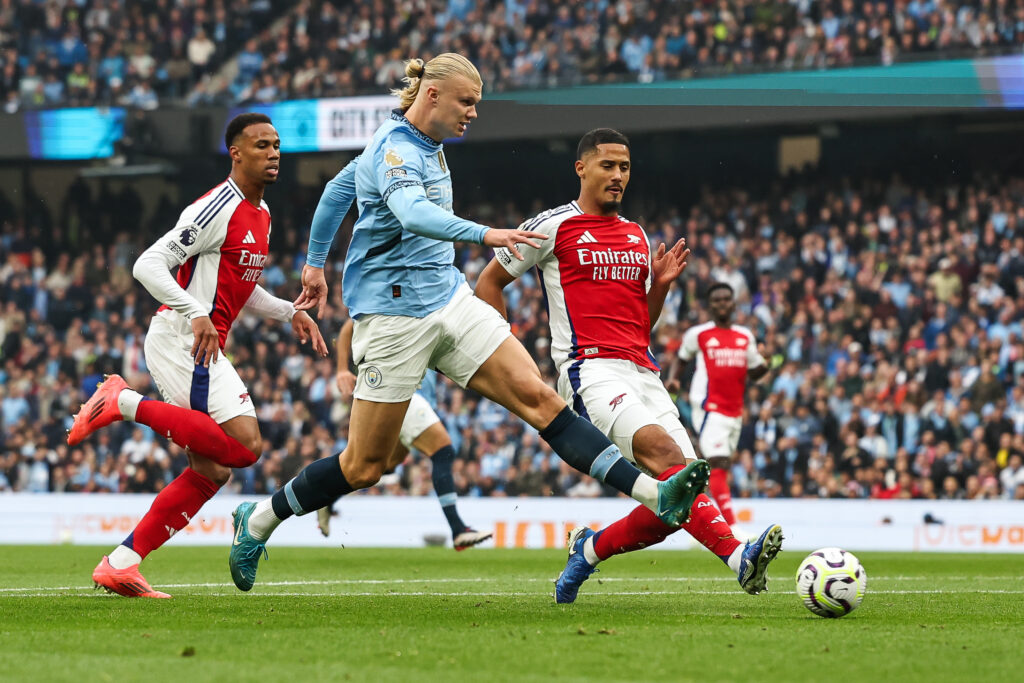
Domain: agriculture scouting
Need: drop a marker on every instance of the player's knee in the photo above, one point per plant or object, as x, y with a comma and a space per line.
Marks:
254, 445
362, 475
218, 474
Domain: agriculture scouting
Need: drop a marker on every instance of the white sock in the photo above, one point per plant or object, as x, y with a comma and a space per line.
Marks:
263, 521
735, 557
645, 491
589, 554
123, 557
128, 403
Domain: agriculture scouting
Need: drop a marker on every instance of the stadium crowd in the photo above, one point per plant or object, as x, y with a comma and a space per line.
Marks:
889, 313
63, 53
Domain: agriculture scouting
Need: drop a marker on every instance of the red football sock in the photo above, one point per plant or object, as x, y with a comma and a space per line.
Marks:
195, 431
639, 529
710, 529
718, 485
171, 511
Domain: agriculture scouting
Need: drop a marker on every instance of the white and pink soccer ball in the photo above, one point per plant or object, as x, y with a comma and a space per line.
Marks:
831, 582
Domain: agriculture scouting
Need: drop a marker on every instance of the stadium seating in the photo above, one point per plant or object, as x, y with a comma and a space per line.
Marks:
889, 313
278, 50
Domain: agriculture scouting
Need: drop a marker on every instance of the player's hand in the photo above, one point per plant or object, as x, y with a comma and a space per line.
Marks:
496, 237
305, 328
346, 383
205, 341
666, 266
314, 290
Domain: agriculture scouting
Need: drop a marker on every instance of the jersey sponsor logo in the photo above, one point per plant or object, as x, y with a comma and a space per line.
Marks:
633, 239
617, 401
176, 250
393, 158
254, 263
593, 350
587, 238
188, 235
395, 173
727, 358
252, 259
248, 239
373, 376
504, 255
611, 257
440, 194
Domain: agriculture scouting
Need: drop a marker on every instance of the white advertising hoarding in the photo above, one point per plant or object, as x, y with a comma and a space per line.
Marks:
381, 521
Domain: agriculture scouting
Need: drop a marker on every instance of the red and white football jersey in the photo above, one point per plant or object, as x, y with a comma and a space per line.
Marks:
595, 272
220, 243
724, 354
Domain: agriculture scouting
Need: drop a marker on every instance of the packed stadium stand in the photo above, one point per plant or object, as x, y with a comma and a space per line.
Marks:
142, 54
888, 308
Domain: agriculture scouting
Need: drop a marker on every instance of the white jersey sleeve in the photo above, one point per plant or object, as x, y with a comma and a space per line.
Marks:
689, 348
184, 241
531, 257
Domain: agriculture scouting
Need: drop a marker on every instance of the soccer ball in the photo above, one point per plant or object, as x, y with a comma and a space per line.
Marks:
831, 582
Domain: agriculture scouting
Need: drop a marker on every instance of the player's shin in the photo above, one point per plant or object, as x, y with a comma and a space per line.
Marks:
709, 528
718, 486
444, 486
171, 511
319, 484
584, 447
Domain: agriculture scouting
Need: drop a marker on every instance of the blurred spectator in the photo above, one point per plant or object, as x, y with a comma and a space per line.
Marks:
317, 48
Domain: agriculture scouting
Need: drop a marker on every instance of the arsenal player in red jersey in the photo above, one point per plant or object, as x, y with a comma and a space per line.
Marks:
604, 288
727, 357
219, 248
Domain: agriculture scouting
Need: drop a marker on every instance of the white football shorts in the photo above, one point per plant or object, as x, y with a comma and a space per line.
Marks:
217, 391
418, 419
619, 397
393, 352
717, 434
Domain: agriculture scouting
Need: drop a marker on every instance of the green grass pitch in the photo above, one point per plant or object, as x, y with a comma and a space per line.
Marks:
488, 615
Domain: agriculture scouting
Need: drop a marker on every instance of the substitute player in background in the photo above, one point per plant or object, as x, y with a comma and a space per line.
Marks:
604, 290
219, 246
414, 311
422, 430
727, 357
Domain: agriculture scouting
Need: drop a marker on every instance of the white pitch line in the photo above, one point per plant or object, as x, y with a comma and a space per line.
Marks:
510, 594
528, 579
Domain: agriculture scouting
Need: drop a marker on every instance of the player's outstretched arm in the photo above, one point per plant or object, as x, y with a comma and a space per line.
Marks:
345, 378
265, 305
492, 281
334, 204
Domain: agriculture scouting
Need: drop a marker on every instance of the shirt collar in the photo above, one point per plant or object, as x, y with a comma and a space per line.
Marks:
399, 115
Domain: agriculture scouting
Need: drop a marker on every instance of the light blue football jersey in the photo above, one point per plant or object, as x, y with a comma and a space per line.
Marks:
400, 260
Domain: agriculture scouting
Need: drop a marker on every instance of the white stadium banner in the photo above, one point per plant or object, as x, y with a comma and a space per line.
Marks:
370, 520
350, 122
